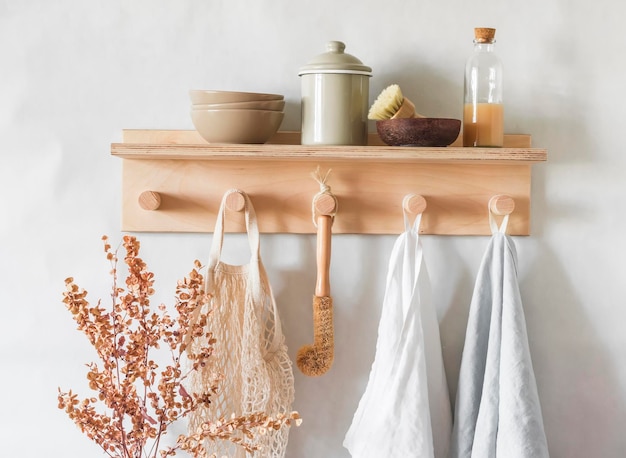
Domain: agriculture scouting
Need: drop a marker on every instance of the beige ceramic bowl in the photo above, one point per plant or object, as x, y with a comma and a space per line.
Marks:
236, 126
199, 96
276, 105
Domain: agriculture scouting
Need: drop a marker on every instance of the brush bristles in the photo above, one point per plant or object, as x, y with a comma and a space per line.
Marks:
387, 103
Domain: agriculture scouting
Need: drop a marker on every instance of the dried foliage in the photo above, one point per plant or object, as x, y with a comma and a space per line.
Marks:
138, 399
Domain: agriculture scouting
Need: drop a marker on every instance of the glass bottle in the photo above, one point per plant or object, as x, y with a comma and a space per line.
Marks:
483, 113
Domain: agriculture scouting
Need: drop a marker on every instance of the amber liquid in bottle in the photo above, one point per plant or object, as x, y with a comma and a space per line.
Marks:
483, 124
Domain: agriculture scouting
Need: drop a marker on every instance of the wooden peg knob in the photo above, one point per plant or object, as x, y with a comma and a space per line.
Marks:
501, 205
235, 201
325, 204
149, 200
414, 204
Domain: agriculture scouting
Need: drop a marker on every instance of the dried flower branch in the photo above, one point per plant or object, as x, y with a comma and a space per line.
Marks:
140, 400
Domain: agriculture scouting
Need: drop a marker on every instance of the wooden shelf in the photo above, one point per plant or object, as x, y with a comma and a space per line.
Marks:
190, 176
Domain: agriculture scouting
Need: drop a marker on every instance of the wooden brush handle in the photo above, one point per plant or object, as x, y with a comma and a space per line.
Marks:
324, 225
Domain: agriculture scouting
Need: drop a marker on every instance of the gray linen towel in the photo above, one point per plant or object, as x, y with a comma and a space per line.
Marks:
497, 413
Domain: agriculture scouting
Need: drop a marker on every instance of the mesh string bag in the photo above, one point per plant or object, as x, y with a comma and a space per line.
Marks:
250, 354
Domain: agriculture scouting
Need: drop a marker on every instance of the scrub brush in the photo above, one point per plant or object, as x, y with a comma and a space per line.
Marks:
391, 104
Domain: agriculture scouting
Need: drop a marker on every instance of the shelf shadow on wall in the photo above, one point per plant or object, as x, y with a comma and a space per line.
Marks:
580, 392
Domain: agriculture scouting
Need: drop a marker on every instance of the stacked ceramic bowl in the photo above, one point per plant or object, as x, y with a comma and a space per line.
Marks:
236, 117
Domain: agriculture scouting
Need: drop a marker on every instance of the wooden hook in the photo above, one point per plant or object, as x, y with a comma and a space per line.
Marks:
501, 205
325, 204
149, 200
414, 204
235, 201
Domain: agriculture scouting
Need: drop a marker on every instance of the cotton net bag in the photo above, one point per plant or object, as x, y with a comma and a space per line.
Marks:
250, 354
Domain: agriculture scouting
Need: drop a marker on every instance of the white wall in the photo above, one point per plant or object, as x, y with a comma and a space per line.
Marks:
74, 73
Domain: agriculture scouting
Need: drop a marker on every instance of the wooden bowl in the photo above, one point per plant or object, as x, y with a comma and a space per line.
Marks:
418, 131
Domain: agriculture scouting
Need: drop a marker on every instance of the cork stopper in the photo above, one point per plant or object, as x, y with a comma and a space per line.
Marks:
484, 35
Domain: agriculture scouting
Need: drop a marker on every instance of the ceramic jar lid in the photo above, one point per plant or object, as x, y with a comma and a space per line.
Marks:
335, 60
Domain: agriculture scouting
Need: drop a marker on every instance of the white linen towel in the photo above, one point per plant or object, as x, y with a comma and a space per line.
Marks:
405, 410
497, 412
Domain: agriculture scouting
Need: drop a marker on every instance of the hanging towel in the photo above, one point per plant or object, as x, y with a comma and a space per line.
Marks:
405, 410
497, 413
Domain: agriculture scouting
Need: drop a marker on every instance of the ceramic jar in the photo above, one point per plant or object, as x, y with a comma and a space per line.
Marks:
335, 98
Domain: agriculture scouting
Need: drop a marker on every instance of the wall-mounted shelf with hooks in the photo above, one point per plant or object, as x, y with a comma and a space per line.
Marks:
173, 181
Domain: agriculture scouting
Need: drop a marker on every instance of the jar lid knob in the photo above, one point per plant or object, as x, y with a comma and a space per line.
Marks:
336, 47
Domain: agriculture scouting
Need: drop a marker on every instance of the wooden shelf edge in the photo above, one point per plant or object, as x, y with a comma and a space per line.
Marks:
188, 152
